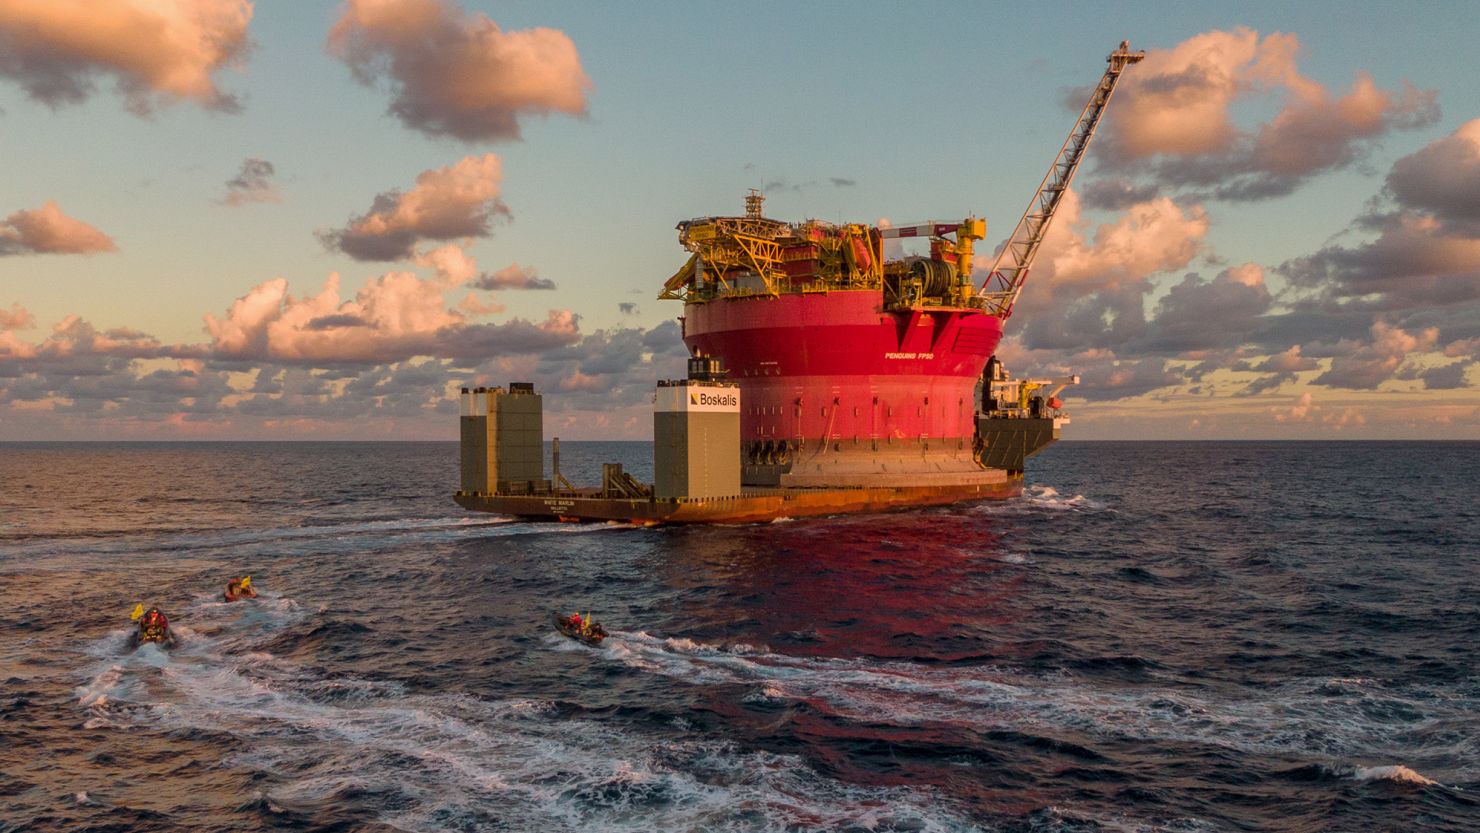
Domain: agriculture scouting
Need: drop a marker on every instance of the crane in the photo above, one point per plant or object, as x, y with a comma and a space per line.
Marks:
1000, 291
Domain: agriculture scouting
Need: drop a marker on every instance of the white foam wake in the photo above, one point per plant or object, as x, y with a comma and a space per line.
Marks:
1300, 717
437, 762
1396, 773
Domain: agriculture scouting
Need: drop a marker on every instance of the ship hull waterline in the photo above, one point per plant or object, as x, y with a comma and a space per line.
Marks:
752, 506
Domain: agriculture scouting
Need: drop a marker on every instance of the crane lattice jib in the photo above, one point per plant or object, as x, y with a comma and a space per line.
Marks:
1005, 281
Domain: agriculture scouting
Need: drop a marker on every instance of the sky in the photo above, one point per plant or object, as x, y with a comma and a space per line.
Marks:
223, 219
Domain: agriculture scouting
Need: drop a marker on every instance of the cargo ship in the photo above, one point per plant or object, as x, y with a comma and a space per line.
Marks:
825, 376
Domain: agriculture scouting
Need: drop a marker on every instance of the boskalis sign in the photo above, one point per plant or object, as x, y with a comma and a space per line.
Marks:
727, 400
703, 399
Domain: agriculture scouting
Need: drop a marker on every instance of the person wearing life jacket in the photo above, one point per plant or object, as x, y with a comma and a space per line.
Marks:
240, 588
154, 627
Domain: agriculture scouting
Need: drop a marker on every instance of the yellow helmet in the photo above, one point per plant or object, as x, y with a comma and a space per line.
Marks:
138, 611
246, 582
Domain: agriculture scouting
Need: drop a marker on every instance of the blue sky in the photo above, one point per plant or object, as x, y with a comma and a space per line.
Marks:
928, 110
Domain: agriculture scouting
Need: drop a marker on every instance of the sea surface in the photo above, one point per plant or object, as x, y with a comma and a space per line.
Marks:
1154, 637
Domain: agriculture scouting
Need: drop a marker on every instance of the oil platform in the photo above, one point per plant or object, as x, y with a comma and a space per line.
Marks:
824, 378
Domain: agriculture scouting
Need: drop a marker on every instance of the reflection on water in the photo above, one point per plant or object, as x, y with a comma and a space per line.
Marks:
1143, 641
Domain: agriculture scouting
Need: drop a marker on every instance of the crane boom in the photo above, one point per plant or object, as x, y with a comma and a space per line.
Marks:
1005, 281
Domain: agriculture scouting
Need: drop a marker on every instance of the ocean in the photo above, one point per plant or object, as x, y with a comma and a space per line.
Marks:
1154, 637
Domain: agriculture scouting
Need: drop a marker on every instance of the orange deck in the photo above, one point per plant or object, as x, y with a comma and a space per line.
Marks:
752, 506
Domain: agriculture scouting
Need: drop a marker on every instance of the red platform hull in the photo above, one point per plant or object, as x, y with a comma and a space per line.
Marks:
835, 366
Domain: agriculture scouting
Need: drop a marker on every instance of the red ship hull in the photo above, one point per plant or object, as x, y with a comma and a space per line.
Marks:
837, 366
875, 396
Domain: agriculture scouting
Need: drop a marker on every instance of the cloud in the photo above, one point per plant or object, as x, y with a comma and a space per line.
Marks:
1427, 250
627, 308
1278, 369
1173, 120
1149, 237
46, 230
252, 184
1367, 365
1443, 178
1446, 377
394, 317
1415, 261
798, 187
18, 318
453, 73
156, 51
448, 203
476, 307
1203, 315
1088, 291
1306, 411
514, 276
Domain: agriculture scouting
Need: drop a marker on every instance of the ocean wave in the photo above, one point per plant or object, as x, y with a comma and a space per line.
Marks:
1298, 716
1396, 773
454, 761
1038, 499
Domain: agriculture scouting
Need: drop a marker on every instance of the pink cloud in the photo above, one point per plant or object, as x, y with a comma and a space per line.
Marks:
394, 317
448, 203
514, 276
1174, 116
454, 73
1299, 412
1149, 237
1359, 365
18, 318
475, 307
156, 52
46, 230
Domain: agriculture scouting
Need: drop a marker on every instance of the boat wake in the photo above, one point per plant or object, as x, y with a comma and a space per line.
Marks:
1303, 718
457, 761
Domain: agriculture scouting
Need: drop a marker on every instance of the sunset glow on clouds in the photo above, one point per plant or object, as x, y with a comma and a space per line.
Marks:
460, 200
47, 231
154, 52
321, 270
456, 73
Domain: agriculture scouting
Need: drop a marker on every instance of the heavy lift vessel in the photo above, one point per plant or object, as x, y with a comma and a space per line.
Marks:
825, 379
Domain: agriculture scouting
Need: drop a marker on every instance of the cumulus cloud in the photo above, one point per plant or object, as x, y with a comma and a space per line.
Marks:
46, 230
1277, 369
457, 201
1149, 237
252, 184
1445, 377
1305, 410
514, 276
1443, 178
1202, 315
1427, 250
1367, 365
1173, 117
1088, 290
156, 51
1415, 261
18, 318
453, 73
391, 318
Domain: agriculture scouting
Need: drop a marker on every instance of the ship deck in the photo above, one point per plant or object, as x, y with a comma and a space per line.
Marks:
753, 505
